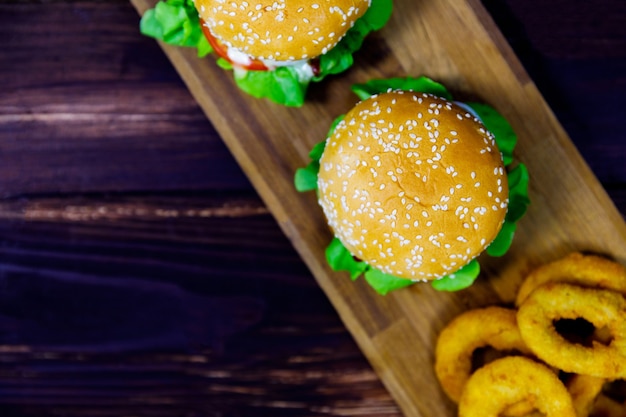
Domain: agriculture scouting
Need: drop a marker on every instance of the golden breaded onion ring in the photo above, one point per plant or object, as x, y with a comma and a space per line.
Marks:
584, 390
551, 302
605, 406
576, 268
511, 380
490, 326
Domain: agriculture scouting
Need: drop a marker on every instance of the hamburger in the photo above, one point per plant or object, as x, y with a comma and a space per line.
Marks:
275, 49
414, 188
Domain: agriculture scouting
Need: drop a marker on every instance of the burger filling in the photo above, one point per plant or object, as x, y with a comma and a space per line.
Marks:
176, 22
305, 69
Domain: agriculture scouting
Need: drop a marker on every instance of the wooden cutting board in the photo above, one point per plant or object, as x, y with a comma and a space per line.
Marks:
454, 42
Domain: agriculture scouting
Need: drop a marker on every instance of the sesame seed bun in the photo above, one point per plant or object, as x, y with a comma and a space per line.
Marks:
283, 30
413, 185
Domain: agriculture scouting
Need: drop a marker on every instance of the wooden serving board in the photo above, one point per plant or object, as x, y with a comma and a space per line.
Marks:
454, 42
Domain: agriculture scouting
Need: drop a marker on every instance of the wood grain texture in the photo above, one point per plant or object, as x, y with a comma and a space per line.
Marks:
140, 273
570, 210
120, 207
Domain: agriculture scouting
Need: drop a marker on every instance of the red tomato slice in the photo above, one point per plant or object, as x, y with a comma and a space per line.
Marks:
221, 50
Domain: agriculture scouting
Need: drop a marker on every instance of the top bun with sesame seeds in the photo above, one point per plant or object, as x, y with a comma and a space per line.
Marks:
413, 184
281, 30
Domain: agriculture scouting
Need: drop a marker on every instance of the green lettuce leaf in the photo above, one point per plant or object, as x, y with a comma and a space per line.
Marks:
224, 64
175, 22
282, 86
518, 178
384, 283
505, 137
421, 84
518, 193
518, 205
340, 58
378, 14
503, 240
333, 126
305, 178
340, 259
461, 279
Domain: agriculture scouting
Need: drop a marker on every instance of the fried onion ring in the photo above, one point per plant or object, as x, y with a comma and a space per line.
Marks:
607, 407
611, 402
490, 326
576, 268
584, 390
511, 380
551, 302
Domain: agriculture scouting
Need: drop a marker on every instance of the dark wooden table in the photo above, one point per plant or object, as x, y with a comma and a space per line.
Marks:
141, 275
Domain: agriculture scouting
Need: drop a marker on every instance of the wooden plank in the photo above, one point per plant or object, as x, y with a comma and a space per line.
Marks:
116, 191
570, 210
88, 120
160, 214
